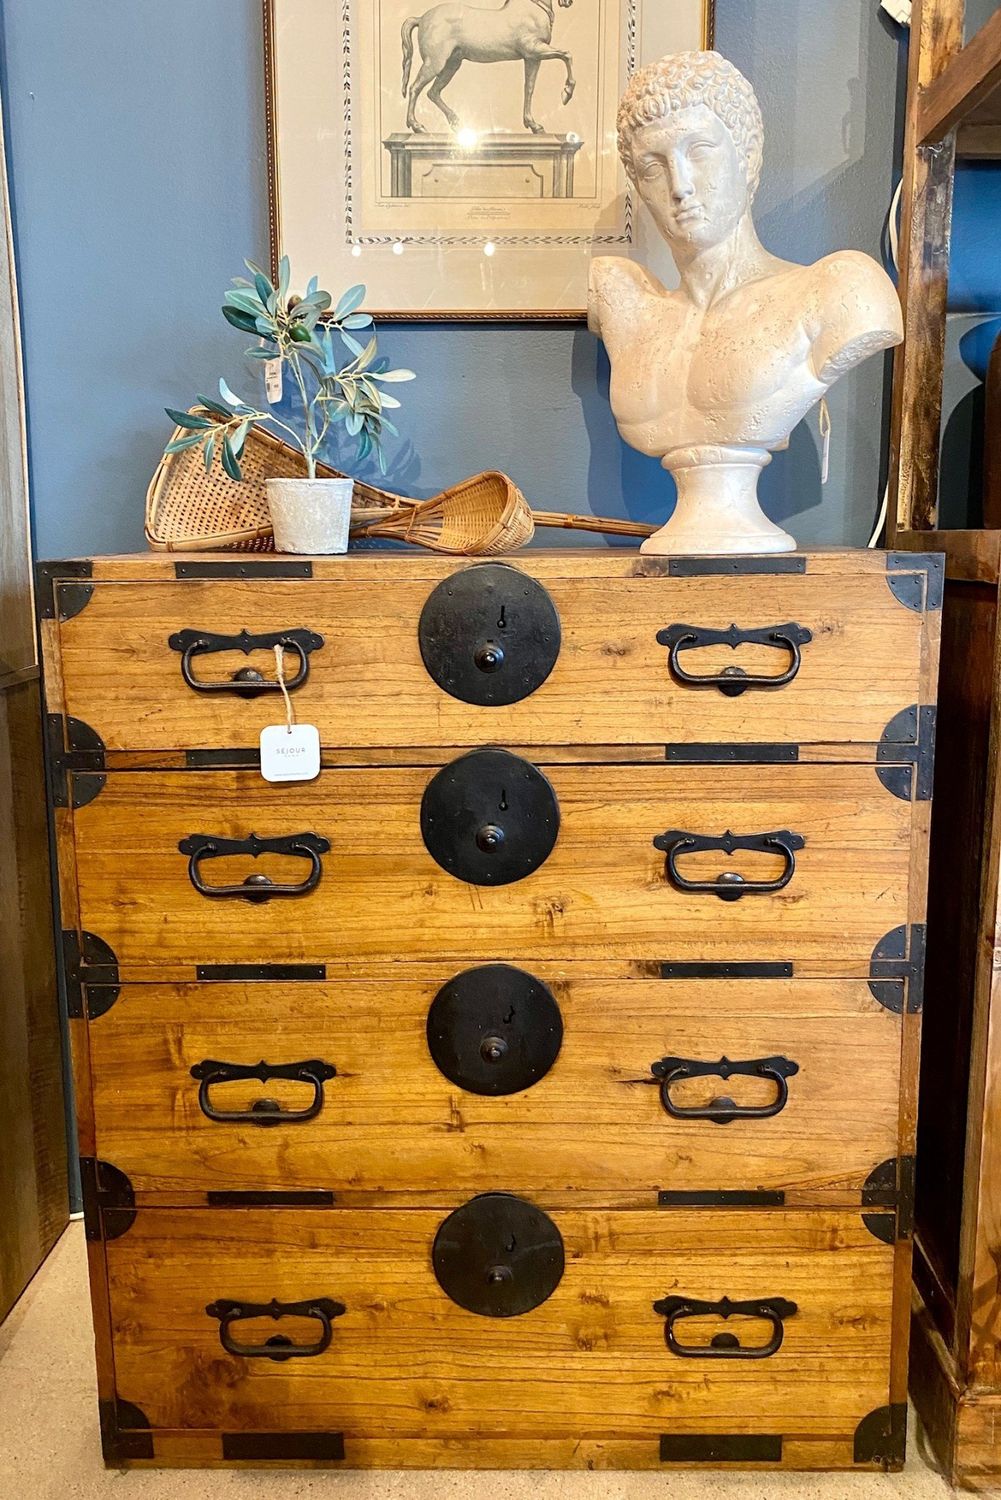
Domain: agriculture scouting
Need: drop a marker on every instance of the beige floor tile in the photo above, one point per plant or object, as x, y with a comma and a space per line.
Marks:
49, 1449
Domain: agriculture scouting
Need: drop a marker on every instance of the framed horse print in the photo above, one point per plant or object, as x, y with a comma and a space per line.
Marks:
460, 158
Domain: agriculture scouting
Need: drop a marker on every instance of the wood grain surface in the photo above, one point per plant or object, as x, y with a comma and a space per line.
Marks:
970, 622
586, 1379
925, 233
391, 1122
601, 893
33, 1190
368, 685
966, 89
200, 1449
591, 1361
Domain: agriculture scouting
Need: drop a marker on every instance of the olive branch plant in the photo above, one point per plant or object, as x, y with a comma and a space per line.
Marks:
330, 392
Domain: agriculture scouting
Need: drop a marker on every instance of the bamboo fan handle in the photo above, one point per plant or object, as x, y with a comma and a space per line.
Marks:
591, 523
371, 515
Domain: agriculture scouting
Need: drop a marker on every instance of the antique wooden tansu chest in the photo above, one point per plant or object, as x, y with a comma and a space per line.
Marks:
535, 1087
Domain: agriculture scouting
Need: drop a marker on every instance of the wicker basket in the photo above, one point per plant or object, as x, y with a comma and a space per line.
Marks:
188, 510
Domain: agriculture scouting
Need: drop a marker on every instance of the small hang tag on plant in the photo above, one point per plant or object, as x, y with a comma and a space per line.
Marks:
273, 380
290, 752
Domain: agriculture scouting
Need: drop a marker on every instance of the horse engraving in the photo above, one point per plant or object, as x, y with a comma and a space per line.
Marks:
451, 34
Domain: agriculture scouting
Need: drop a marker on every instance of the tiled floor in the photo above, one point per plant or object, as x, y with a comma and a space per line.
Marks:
49, 1448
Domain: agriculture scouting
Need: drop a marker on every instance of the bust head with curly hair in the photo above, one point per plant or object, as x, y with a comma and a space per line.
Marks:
712, 375
691, 138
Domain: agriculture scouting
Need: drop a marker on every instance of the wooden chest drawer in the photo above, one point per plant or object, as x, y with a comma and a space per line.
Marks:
371, 1113
402, 1361
535, 1087
824, 892
809, 668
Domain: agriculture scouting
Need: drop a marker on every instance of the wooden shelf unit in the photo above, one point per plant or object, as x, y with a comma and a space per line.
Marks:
954, 109
965, 96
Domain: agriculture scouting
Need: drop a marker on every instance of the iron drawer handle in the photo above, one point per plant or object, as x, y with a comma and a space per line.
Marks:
279, 1348
258, 888
733, 681
773, 1310
262, 1111
247, 683
729, 886
671, 1070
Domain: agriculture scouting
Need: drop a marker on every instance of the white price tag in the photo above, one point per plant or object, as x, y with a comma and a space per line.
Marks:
273, 380
290, 752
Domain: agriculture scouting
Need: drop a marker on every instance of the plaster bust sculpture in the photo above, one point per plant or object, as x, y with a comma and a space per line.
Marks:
712, 378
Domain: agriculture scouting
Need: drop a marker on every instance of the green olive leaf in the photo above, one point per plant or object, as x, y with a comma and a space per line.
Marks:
187, 419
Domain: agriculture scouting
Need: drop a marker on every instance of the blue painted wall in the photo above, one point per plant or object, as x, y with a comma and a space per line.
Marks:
136, 151
974, 270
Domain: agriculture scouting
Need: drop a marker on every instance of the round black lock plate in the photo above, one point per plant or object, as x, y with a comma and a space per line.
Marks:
489, 817
489, 635
498, 1256
494, 1030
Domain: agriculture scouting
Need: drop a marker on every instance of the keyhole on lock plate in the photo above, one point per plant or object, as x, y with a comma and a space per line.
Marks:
502, 805
509, 1248
502, 622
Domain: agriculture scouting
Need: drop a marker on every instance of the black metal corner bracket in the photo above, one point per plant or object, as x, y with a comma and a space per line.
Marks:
905, 755
109, 1203
897, 969
916, 579
889, 1189
881, 1436
130, 1416
63, 603
71, 746
90, 970
122, 1432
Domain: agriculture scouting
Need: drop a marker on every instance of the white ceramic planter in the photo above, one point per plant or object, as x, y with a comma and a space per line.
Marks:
310, 515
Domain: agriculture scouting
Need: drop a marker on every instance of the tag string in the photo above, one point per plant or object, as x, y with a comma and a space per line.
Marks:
824, 423
280, 670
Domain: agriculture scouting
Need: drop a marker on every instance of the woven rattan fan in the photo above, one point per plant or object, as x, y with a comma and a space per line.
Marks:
189, 510
482, 517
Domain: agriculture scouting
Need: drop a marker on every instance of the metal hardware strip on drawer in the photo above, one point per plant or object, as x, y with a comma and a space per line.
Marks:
534, 1087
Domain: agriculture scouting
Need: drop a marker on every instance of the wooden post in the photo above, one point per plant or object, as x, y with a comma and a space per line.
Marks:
34, 1205
936, 34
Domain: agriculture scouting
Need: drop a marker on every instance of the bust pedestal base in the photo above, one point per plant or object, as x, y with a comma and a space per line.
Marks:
718, 509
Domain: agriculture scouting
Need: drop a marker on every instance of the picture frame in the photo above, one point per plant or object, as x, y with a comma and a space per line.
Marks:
483, 203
